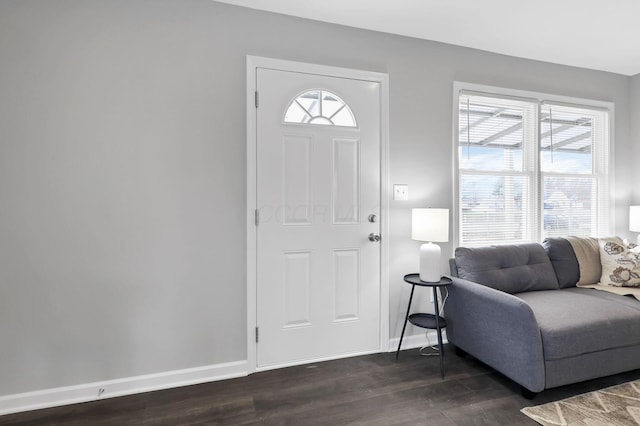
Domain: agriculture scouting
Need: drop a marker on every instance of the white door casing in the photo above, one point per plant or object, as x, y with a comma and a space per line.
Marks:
317, 283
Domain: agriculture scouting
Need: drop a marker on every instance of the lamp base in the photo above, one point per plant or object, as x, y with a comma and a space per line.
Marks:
430, 262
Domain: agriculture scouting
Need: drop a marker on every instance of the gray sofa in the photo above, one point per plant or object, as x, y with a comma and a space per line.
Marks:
516, 308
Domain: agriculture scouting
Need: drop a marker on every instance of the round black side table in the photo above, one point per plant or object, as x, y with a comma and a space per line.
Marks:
423, 320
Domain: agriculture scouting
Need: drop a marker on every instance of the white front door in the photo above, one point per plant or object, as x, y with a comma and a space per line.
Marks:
318, 199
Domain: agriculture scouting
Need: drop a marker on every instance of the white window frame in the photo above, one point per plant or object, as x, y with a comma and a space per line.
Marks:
608, 222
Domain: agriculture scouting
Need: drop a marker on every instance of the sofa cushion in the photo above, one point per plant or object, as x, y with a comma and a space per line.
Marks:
577, 321
588, 254
509, 268
620, 263
564, 261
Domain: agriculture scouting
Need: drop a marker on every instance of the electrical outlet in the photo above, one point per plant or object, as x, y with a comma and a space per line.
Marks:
401, 192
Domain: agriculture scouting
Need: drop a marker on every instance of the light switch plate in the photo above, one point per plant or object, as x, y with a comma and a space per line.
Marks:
401, 192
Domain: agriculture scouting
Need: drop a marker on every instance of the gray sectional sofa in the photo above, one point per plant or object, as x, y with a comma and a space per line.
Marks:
517, 309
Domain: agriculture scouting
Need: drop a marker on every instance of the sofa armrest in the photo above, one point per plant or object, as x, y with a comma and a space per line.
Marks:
498, 329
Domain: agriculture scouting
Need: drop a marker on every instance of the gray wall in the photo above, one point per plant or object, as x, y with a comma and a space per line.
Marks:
122, 162
635, 139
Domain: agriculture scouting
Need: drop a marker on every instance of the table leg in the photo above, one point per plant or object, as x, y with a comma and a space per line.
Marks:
406, 318
439, 331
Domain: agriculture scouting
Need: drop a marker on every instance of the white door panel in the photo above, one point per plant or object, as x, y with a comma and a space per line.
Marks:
318, 275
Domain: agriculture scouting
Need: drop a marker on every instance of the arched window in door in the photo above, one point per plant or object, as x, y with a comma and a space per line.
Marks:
319, 107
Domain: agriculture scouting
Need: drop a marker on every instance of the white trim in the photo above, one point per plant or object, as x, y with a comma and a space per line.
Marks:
385, 196
252, 190
254, 62
455, 134
611, 168
417, 340
315, 360
113, 388
459, 86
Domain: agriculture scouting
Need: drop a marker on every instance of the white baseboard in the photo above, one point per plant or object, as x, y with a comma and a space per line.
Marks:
169, 379
127, 386
417, 340
315, 360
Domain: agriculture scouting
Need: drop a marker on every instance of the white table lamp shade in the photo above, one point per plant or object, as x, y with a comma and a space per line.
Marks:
634, 220
430, 225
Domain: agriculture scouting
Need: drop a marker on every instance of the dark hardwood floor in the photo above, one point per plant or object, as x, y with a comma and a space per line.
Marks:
365, 390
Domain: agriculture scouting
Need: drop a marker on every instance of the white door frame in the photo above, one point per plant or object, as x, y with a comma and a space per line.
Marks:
254, 62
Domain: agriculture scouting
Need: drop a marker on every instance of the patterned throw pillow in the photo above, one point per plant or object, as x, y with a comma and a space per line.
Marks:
620, 263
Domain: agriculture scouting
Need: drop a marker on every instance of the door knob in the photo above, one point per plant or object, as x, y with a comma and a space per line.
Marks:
374, 237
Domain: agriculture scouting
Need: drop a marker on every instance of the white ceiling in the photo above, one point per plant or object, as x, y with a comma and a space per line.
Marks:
595, 34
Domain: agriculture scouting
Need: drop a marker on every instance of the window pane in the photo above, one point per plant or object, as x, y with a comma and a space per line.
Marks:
344, 118
490, 159
493, 209
296, 114
319, 107
310, 101
490, 135
330, 104
324, 121
566, 141
569, 206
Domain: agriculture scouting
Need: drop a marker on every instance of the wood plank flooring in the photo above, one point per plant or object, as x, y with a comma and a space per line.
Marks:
367, 390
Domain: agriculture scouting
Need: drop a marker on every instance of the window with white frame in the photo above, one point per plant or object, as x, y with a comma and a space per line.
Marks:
530, 169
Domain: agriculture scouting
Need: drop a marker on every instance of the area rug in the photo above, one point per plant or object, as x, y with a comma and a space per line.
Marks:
617, 405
